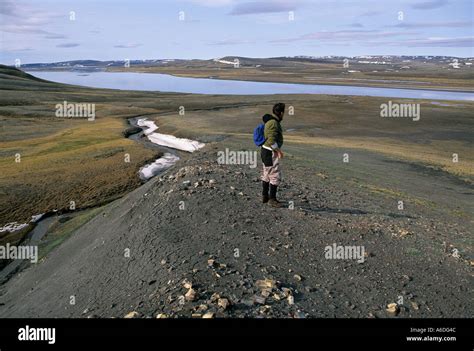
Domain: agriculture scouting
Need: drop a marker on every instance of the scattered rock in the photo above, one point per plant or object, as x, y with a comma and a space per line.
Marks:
298, 277
393, 309
403, 233
259, 300
223, 303
202, 308
190, 295
187, 284
215, 297
265, 284
299, 315
132, 314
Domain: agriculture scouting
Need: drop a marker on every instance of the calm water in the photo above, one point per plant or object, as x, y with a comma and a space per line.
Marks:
167, 83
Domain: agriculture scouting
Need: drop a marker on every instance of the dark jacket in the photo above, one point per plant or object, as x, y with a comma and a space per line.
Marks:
273, 138
273, 132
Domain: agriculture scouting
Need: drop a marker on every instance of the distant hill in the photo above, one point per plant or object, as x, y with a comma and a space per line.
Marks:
293, 61
15, 73
88, 65
12, 78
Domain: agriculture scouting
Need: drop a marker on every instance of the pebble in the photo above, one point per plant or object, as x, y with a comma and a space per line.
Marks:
259, 299
223, 303
132, 314
190, 295
298, 277
393, 309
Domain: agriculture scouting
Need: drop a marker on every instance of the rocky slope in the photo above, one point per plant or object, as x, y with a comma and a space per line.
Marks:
197, 242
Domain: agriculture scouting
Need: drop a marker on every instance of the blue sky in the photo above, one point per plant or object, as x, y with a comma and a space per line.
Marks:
42, 31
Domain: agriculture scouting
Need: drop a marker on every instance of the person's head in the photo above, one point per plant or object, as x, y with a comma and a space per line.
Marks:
279, 110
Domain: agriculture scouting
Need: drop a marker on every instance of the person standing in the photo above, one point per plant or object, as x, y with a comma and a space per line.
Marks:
271, 155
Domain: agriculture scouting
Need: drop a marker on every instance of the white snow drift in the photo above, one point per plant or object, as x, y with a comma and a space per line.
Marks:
15, 226
151, 126
161, 164
168, 140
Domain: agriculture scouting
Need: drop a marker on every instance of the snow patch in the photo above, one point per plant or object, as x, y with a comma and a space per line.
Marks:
13, 227
168, 140
150, 125
175, 143
36, 218
161, 164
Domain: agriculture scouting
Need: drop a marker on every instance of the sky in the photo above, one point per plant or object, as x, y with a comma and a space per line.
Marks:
60, 30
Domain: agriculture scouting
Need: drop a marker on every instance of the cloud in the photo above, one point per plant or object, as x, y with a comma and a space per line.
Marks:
258, 7
19, 18
457, 24
344, 36
459, 42
127, 46
22, 29
429, 5
441, 42
211, 3
356, 25
8, 8
17, 49
55, 36
231, 42
67, 45
370, 13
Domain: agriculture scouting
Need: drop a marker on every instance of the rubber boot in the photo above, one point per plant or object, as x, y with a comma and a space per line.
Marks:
273, 200
265, 188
